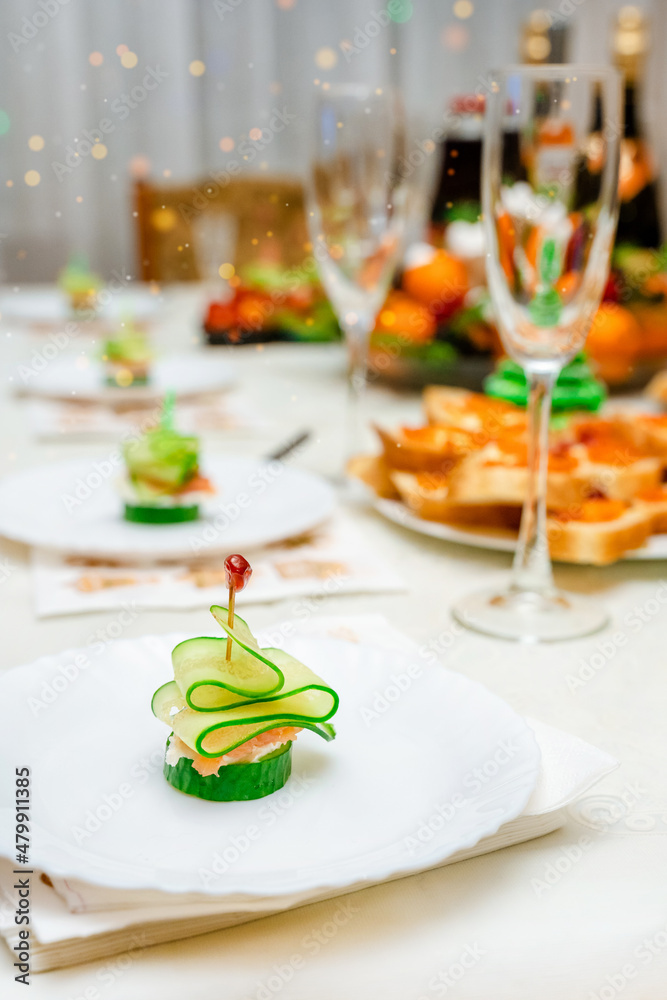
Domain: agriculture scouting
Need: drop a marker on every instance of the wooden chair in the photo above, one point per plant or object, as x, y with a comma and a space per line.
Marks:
268, 211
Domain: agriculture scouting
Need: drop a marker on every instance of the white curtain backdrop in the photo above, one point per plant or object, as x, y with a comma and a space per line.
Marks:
261, 58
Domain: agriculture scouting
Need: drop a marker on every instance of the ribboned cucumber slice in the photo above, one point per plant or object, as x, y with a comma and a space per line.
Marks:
143, 514
213, 734
202, 670
240, 632
205, 691
233, 782
163, 456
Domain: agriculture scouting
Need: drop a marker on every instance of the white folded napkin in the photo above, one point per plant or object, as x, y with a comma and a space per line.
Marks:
74, 921
331, 559
219, 412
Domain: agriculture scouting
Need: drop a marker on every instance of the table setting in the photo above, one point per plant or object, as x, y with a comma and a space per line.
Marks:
333, 539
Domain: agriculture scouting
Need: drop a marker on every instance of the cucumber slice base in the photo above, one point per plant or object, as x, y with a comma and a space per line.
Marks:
234, 782
143, 514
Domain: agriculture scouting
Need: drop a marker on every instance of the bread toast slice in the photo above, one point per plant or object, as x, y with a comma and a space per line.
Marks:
599, 543
483, 416
646, 431
374, 471
426, 494
490, 476
425, 449
572, 538
655, 500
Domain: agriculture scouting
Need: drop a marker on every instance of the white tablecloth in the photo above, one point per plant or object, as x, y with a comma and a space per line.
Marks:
580, 913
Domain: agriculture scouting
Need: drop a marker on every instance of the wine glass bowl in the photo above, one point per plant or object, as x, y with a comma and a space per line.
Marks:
358, 205
549, 213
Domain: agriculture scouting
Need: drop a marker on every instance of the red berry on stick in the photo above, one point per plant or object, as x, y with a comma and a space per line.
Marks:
237, 571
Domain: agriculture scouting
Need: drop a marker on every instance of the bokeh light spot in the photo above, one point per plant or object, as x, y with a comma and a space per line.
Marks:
226, 144
35, 143
140, 166
32, 178
197, 67
538, 47
255, 134
326, 58
95, 58
99, 151
455, 37
129, 60
400, 11
286, 4
122, 49
463, 9
163, 219
5, 122
226, 271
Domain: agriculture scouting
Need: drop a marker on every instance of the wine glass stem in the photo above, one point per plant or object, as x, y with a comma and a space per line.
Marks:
532, 565
357, 368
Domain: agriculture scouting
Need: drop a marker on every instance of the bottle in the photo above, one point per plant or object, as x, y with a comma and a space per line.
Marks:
544, 42
638, 222
591, 160
458, 194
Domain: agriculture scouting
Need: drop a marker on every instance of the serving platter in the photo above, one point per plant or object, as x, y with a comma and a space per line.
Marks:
75, 506
80, 377
495, 540
425, 763
52, 306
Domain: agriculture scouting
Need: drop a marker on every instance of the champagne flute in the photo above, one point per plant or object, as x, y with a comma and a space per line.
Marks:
358, 204
550, 219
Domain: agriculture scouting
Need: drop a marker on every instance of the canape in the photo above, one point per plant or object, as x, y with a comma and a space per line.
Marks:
235, 710
80, 284
163, 484
127, 358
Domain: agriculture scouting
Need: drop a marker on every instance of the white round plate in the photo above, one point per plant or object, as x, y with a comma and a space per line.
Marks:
400, 789
495, 540
79, 377
50, 305
75, 506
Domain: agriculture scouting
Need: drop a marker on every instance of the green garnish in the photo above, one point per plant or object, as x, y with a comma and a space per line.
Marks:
161, 462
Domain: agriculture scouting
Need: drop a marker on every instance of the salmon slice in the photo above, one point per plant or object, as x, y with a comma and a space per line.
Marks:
248, 753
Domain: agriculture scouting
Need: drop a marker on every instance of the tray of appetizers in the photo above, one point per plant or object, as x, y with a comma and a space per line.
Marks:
463, 476
262, 771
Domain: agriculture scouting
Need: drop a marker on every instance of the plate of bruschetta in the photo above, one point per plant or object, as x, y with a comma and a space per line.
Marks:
462, 476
